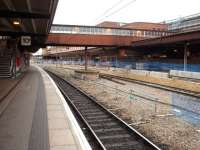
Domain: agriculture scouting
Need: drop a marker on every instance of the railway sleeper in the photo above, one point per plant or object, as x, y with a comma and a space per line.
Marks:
116, 136
122, 140
100, 120
124, 144
117, 129
111, 132
84, 106
89, 110
92, 114
104, 127
105, 124
99, 117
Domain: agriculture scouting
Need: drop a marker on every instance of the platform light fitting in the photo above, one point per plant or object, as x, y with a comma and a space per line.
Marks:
163, 56
16, 22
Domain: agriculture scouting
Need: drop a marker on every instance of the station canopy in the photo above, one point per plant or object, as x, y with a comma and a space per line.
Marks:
27, 18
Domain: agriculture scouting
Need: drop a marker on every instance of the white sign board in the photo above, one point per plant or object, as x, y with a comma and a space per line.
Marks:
26, 41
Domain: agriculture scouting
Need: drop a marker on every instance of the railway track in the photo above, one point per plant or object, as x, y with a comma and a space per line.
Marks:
158, 86
109, 131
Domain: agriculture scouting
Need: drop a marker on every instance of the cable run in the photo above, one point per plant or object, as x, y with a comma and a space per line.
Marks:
108, 10
116, 11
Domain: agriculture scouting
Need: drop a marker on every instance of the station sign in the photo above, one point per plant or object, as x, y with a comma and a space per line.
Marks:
26, 41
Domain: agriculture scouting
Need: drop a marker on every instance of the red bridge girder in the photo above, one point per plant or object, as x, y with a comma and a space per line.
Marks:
62, 39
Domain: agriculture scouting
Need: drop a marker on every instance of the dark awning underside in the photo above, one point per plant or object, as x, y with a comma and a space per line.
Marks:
35, 17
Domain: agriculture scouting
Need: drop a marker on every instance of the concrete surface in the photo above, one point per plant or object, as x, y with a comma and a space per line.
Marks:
16, 122
185, 74
35, 117
6, 86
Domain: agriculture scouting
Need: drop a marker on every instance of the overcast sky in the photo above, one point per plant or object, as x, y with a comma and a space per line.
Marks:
89, 12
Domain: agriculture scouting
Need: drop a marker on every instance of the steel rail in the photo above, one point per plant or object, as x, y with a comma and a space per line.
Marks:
154, 85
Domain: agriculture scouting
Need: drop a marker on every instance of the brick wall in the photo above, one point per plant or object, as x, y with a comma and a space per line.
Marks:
91, 40
110, 24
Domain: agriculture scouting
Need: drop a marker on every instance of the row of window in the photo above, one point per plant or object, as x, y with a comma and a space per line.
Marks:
4, 37
105, 31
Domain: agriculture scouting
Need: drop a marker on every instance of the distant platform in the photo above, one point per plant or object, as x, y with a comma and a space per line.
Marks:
87, 74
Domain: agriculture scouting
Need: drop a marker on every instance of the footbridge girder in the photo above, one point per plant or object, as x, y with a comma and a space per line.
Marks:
60, 39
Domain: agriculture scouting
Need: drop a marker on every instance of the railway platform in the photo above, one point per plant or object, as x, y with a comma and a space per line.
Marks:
36, 116
7, 84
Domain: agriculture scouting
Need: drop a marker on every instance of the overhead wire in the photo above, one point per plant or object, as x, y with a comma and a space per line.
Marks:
119, 9
109, 9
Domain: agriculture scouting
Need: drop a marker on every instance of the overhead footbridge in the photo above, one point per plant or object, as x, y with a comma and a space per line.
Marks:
76, 35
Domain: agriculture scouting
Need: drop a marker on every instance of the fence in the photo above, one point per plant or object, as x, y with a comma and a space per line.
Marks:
150, 66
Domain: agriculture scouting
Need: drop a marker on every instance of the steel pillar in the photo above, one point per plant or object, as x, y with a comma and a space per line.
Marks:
86, 58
